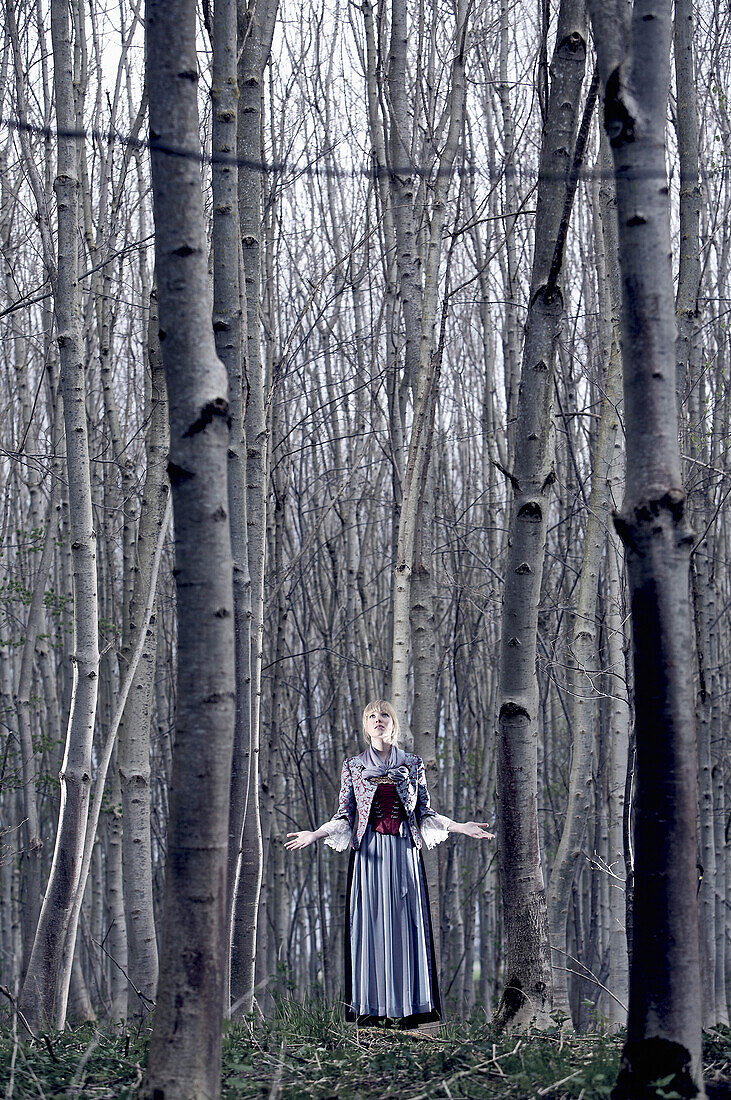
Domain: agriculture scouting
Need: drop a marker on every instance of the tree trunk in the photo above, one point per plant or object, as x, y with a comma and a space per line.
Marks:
185, 1049
616, 781
584, 648
422, 360
39, 988
134, 731
528, 992
256, 20
664, 1025
227, 327
32, 866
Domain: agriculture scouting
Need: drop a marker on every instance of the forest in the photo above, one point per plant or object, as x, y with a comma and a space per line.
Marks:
357, 351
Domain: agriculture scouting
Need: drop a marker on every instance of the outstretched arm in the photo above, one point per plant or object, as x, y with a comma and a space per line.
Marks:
479, 830
338, 829
434, 827
304, 838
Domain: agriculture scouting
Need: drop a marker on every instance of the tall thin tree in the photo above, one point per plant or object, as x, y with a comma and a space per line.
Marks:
185, 1050
664, 1022
39, 988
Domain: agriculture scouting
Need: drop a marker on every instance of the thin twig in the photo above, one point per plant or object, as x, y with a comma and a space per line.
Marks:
6, 992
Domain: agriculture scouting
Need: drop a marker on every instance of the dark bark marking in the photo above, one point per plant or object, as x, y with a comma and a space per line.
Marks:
510, 711
523, 568
550, 478
217, 407
217, 697
177, 474
629, 525
541, 366
183, 251
511, 1000
531, 511
637, 219
645, 1062
573, 42
189, 74
618, 122
514, 642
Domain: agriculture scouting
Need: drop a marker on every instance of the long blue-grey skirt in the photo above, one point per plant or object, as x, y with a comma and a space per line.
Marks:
390, 965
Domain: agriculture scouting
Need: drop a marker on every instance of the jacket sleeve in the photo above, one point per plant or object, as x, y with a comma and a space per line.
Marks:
434, 827
415, 797
340, 827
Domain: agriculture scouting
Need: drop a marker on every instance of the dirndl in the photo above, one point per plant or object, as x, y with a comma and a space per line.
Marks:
390, 964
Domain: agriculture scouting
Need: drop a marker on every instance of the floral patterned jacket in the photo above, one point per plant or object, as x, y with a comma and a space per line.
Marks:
356, 794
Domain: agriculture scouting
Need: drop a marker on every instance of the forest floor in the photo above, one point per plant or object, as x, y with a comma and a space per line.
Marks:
310, 1052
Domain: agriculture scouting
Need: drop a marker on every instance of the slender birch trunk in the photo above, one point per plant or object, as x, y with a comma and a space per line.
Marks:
619, 722
256, 26
528, 991
664, 1023
32, 865
586, 672
690, 379
227, 327
134, 731
39, 988
245, 851
422, 363
185, 1049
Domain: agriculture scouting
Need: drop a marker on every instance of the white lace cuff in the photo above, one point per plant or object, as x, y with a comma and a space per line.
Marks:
434, 829
338, 833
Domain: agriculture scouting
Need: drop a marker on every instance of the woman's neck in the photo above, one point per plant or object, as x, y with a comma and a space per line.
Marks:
381, 750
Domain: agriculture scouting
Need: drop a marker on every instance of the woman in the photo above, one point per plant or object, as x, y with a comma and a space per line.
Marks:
390, 966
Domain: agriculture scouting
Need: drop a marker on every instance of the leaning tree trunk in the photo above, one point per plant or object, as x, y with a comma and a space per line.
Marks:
39, 988
185, 1050
528, 992
664, 1023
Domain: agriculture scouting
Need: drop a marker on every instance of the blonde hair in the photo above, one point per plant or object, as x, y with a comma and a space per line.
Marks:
378, 705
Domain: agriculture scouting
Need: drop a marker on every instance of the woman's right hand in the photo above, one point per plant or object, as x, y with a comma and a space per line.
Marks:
301, 840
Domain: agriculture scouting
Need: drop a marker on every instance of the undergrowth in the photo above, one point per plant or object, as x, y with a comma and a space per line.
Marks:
309, 1052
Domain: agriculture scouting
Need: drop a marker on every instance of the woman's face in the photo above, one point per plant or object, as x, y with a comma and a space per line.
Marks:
379, 726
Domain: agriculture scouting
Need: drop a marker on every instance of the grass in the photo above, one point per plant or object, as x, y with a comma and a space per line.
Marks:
308, 1051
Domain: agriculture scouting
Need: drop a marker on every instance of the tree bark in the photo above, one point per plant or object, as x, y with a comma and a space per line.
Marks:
185, 1049
528, 992
227, 328
256, 23
39, 988
418, 304
664, 1022
134, 730
586, 672
29, 758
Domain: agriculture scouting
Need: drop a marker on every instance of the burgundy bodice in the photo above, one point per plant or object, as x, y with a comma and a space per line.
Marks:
387, 812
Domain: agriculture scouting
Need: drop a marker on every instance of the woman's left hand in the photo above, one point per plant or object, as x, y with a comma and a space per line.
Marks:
479, 830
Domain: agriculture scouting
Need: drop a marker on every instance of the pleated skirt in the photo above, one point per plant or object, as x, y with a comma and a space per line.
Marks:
390, 965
